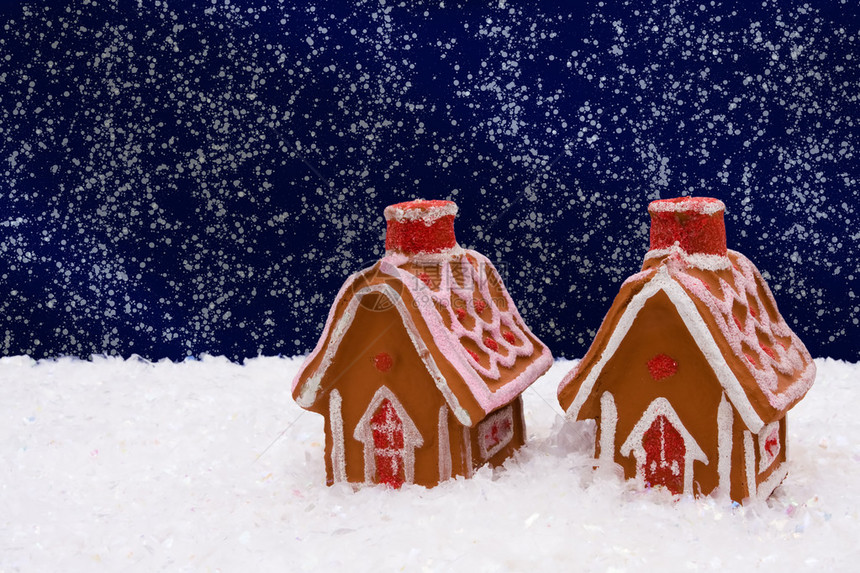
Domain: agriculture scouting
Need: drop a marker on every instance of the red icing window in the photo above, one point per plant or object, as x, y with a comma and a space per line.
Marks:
460, 312
662, 366
474, 355
509, 336
664, 456
387, 428
771, 446
383, 361
480, 305
495, 432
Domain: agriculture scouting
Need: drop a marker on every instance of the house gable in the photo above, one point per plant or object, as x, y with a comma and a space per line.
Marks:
371, 356
629, 377
381, 314
682, 306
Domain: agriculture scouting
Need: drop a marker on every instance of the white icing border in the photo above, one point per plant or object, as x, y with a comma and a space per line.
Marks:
425, 258
608, 423
662, 281
697, 260
772, 482
749, 463
338, 456
411, 436
428, 213
725, 421
311, 387
444, 441
688, 205
633, 444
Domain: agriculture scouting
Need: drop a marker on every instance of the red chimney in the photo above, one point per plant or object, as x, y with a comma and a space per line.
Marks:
695, 224
420, 226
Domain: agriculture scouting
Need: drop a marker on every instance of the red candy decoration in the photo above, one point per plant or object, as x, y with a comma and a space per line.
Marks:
473, 354
509, 336
383, 361
662, 366
695, 223
491, 344
479, 305
767, 350
460, 312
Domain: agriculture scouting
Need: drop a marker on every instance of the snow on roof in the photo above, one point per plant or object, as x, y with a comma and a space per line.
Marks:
473, 324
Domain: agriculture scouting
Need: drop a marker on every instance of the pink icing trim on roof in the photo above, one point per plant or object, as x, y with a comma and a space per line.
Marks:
450, 340
744, 334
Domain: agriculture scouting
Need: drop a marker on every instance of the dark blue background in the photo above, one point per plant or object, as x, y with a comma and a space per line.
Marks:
188, 178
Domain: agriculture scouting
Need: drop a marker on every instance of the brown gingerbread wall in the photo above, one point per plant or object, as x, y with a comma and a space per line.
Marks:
739, 490
693, 390
355, 375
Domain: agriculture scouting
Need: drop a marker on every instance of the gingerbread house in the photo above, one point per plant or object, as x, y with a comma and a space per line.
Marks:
421, 363
693, 370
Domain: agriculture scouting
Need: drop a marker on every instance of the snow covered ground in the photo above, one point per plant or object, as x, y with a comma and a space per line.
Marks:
206, 465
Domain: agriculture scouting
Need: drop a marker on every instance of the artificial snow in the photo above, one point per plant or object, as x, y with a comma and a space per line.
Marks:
127, 465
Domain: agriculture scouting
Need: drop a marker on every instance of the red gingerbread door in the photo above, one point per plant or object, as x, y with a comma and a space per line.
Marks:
664, 455
388, 444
